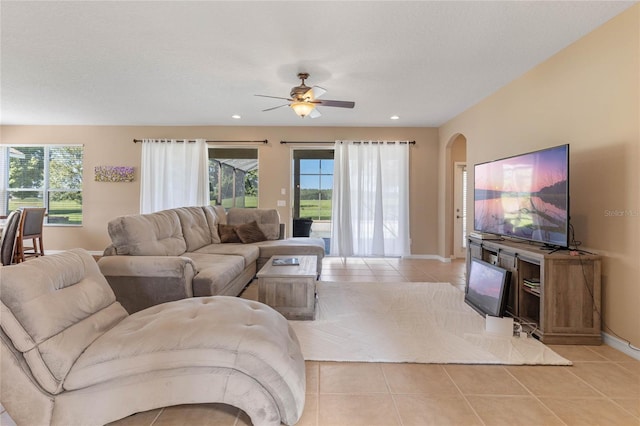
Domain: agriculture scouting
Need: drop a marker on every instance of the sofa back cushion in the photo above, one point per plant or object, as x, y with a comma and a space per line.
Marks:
221, 213
153, 234
268, 220
213, 220
195, 227
53, 308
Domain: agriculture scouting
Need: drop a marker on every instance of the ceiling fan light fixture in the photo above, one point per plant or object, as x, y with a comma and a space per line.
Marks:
302, 108
304, 100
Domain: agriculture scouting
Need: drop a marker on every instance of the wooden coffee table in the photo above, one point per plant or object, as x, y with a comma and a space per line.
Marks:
290, 289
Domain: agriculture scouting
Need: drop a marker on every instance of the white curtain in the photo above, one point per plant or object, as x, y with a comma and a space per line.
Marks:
173, 173
370, 201
3, 180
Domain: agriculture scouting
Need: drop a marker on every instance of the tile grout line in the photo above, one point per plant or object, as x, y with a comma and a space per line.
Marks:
598, 391
238, 415
606, 397
157, 416
534, 396
317, 395
464, 397
621, 365
393, 398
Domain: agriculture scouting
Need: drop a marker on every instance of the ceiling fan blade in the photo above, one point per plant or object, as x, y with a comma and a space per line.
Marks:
318, 91
274, 97
271, 109
314, 113
313, 93
339, 104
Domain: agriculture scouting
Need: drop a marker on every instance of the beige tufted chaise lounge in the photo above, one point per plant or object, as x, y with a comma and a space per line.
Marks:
71, 355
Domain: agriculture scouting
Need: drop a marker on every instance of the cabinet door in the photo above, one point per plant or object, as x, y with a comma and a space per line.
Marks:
508, 261
572, 297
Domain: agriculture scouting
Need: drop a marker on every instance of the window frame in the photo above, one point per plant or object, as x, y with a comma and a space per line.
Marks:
46, 190
211, 157
308, 154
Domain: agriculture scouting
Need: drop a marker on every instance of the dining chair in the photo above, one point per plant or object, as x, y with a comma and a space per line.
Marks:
9, 235
30, 229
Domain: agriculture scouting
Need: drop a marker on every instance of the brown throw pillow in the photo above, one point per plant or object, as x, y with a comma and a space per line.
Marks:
250, 233
228, 233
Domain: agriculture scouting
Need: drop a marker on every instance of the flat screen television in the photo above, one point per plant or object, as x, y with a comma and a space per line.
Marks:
525, 196
487, 288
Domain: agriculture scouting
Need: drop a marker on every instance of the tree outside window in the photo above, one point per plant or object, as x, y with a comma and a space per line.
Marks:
48, 176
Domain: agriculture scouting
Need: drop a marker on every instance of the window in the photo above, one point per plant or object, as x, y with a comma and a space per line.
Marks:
48, 176
313, 183
233, 177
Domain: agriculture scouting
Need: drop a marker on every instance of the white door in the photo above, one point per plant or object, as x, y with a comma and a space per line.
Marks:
460, 210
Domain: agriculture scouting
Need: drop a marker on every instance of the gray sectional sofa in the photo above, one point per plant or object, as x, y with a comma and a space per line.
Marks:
179, 253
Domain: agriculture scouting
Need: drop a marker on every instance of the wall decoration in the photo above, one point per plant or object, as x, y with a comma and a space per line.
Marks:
114, 174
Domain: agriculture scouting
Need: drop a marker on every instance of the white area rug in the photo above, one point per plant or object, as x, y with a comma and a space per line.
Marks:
408, 322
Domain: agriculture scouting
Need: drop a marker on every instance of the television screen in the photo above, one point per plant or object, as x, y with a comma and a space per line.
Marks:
487, 288
526, 196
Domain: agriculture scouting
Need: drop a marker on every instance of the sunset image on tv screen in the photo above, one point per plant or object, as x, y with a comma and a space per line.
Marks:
525, 196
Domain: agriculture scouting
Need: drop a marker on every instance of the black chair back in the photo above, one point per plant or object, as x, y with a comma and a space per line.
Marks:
8, 244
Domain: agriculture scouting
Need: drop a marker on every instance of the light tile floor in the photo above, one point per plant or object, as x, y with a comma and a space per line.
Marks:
601, 388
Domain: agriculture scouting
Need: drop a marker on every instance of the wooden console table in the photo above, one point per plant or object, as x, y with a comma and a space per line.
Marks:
566, 309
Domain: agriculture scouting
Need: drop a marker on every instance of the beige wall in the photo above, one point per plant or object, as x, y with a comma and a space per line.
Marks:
113, 145
588, 96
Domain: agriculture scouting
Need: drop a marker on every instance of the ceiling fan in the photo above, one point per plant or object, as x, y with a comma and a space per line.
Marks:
304, 99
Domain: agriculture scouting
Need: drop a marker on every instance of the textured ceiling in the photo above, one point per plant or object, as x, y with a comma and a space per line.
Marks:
198, 63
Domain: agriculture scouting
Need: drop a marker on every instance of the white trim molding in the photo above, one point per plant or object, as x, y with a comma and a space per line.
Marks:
621, 345
428, 257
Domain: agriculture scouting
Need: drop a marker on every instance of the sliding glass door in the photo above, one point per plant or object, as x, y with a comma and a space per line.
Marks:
312, 188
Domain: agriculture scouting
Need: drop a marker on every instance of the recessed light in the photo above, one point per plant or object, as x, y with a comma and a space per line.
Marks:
236, 117
394, 117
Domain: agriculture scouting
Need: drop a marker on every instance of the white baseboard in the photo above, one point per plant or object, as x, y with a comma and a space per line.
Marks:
620, 345
427, 257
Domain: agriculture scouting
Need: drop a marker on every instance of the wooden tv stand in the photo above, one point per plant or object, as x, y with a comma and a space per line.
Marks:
567, 308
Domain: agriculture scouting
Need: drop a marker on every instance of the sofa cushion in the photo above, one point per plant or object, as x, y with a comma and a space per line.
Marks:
53, 308
250, 233
198, 334
153, 234
221, 213
228, 234
268, 220
212, 221
249, 252
215, 271
292, 246
195, 227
